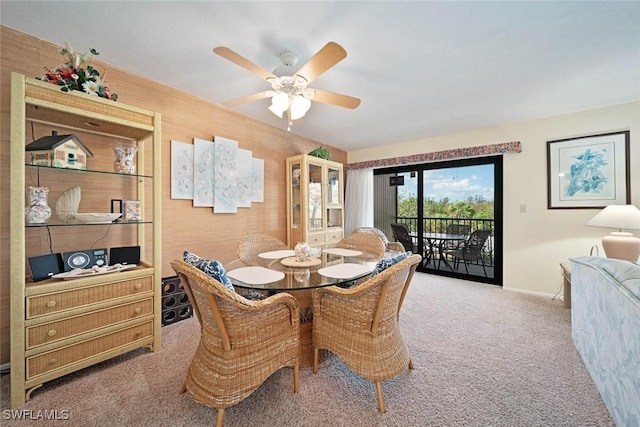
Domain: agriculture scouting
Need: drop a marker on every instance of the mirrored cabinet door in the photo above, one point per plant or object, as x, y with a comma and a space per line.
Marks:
315, 197
296, 197
334, 185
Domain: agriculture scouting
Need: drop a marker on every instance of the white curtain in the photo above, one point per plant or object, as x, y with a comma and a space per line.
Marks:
358, 200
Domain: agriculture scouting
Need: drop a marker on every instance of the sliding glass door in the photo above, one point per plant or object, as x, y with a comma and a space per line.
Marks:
453, 211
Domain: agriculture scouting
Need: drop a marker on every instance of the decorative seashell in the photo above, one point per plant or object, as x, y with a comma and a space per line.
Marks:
67, 204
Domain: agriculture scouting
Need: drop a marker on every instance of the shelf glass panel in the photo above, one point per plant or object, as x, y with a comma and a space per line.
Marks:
84, 224
86, 171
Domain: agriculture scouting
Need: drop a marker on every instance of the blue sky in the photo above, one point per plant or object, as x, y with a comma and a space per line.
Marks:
455, 183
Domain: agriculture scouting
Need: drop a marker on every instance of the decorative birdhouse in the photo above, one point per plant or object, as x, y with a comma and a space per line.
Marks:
59, 151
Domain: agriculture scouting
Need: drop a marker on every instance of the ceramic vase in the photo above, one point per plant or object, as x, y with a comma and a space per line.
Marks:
124, 162
38, 211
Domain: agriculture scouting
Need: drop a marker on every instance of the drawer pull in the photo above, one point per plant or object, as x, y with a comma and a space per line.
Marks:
138, 286
52, 332
53, 361
138, 310
51, 304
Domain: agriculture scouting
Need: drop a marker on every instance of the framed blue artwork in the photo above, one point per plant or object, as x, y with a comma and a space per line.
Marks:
588, 172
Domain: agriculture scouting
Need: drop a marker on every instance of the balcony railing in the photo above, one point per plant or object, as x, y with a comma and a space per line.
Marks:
439, 225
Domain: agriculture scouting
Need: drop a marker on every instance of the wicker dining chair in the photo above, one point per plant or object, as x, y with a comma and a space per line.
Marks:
255, 243
360, 324
367, 243
242, 342
389, 246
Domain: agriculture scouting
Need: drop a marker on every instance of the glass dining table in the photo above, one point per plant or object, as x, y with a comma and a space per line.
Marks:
279, 271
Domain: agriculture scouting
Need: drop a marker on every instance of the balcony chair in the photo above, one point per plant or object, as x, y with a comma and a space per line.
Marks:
448, 246
389, 246
360, 324
401, 234
242, 342
371, 245
471, 250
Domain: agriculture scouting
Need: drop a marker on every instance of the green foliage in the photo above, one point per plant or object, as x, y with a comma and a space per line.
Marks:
474, 207
321, 152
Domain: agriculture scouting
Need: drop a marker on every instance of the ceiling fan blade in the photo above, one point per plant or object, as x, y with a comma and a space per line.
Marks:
327, 97
327, 57
227, 53
250, 98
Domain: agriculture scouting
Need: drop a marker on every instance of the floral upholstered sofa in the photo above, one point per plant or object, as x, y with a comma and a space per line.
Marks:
605, 322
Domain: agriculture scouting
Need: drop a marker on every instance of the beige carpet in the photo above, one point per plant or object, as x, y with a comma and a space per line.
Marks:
483, 357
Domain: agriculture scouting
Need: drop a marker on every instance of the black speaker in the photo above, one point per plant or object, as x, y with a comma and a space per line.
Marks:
45, 266
85, 258
125, 255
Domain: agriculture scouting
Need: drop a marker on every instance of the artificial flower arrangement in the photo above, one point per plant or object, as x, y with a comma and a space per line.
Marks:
76, 74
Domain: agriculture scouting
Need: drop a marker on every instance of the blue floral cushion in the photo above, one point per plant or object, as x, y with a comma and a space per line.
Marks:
210, 266
385, 263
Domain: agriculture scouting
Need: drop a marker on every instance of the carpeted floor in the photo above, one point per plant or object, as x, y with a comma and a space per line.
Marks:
483, 357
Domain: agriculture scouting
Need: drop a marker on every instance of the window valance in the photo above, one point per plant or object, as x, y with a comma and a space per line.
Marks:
456, 153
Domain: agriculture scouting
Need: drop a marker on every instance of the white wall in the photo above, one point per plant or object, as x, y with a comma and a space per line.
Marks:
536, 242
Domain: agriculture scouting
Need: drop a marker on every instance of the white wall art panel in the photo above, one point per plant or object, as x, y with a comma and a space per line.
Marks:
226, 164
243, 178
257, 180
181, 170
203, 172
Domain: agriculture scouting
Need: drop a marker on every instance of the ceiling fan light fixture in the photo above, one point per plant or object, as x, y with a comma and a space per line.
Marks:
289, 86
299, 107
276, 111
279, 103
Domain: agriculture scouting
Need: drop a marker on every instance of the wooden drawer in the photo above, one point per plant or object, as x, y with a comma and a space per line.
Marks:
334, 236
316, 239
62, 357
60, 301
71, 326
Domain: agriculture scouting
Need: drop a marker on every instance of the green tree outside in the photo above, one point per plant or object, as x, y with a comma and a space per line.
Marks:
476, 207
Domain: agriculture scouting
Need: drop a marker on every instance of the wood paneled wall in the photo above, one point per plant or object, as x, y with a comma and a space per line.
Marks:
184, 117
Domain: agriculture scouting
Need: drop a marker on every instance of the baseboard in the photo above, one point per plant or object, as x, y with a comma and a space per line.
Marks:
540, 294
5, 368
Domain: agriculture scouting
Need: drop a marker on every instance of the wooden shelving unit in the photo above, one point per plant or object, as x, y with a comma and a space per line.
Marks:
314, 201
61, 326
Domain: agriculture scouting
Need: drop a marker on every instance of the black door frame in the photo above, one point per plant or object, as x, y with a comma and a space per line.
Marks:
497, 162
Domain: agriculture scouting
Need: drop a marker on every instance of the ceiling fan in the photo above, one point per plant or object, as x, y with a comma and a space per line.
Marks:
289, 88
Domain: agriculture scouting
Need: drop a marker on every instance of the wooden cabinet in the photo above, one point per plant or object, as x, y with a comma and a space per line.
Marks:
314, 201
61, 326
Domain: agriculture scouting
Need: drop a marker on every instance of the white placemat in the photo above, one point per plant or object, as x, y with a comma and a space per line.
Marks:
346, 270
342, 252
255, 275
284, 253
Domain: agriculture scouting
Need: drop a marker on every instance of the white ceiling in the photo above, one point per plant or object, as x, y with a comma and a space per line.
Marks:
422, 69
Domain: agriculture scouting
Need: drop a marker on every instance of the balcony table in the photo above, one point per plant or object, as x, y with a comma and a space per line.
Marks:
436, 241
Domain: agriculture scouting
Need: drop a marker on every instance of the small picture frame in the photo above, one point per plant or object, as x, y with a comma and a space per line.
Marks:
131, 210
588, 172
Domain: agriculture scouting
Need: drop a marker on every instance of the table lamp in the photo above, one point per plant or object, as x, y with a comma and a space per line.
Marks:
619, 244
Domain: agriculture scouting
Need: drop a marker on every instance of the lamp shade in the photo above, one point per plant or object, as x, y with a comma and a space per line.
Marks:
617, 216
620, 245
